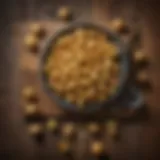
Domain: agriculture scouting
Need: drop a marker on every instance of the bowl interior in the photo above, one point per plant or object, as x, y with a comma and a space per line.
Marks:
123, 67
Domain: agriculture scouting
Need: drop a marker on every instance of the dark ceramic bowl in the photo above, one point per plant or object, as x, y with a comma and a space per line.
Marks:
124, 68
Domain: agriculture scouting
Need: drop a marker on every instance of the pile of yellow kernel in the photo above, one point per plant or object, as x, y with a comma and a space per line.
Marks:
82, 67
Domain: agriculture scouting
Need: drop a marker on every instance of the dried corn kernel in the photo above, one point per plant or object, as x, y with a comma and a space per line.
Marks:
37, 29
30, 109
52, 125
64, 13
68, 129
119, 25
31, 43
97, 148
35, 129
93, 128
29, 93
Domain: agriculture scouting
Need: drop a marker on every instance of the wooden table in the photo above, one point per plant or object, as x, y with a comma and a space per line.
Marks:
140, 139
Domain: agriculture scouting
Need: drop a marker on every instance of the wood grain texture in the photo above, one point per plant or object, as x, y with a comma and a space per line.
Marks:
140, 140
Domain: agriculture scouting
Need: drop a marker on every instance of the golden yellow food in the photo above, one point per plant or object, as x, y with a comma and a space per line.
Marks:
35, 129
64, 13
30, 109
29, 93
37, 30
31, 43
93, 128
68, 129
52, 125
82, 67
119, 25
97, 148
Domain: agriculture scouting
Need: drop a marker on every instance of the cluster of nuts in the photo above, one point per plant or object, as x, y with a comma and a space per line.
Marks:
82, 66
31, 41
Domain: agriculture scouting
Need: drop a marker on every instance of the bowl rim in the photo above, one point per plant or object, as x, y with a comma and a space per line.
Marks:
123, 50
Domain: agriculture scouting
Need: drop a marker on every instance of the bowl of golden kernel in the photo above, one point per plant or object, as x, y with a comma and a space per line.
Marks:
84, 67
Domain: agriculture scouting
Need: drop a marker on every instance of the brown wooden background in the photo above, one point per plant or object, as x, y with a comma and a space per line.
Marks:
141, 139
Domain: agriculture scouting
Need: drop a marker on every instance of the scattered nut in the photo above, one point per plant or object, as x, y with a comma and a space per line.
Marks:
29, 93
119, 26
31, 43
68, 129
30, 109
35, 129
140, 57
37, 30
93, 128
64, 13
52, 125
97, 148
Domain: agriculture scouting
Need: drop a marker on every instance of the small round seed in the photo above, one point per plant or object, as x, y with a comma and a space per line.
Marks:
68, 129
64, 13
93, 128
97, 148
52, 125
35, 129
139, 56
37, 30
119, 25
30, 109
31, 43
29, 93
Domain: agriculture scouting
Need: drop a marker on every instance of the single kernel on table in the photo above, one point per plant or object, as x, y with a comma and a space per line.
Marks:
29, 93
64, 146
52, 125
64, 13
31, 43
139, 56
119, 26
30, 109
37, 30
68, 129
93, 128
35, 129
97, 148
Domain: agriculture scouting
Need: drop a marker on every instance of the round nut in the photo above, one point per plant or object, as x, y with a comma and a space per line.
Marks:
119, 25
52, 125
31, 43
35, 129
37, 30
139, 56
93, 128
97, 148
30, 109
68, 129
64, 13
29, 93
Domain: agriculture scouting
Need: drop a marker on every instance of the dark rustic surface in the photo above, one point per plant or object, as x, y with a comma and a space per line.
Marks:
140, 140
